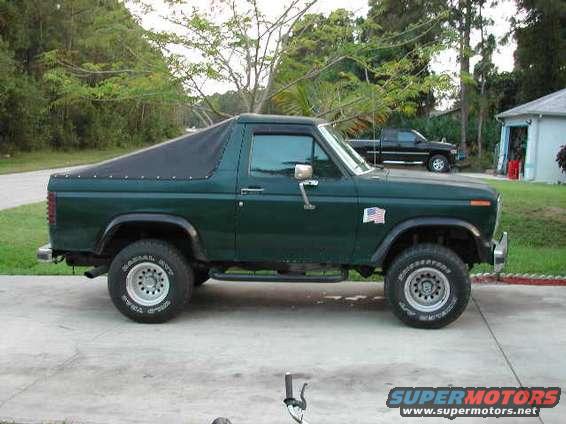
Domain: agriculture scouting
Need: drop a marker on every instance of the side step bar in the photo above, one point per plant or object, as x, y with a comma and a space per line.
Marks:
281, 278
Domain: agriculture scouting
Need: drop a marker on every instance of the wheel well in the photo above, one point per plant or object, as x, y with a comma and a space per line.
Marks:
130, 232
458, 239
440, 153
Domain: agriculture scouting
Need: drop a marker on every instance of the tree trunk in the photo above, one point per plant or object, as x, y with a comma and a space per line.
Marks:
481, 114
482, 101
465, 29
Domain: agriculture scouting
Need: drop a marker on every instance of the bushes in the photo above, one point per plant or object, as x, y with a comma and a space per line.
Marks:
561, 158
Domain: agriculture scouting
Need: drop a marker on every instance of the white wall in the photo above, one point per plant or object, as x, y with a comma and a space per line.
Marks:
551, 135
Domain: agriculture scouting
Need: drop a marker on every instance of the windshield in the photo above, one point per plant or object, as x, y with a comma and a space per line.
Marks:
347, 154
423, 138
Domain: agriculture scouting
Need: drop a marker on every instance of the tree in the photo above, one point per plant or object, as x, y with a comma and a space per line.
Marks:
403, 17
540, 57
78, 73
483, 69
350, 72
465, 16
237, 43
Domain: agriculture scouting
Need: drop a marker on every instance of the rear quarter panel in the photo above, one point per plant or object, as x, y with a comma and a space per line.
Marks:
86, 206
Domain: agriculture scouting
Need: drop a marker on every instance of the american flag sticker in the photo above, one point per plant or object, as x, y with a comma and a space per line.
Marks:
375, 215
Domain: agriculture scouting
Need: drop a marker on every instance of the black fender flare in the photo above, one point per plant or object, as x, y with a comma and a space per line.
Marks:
483, 246
182, 223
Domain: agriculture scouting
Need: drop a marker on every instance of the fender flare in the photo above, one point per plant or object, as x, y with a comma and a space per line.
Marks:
482, 245
180, 222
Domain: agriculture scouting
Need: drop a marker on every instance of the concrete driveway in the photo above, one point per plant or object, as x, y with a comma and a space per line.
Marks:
67, 354
25, 187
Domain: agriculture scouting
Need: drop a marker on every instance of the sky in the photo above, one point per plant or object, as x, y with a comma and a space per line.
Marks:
445, 62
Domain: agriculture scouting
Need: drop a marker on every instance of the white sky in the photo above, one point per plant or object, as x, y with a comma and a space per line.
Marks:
445, 62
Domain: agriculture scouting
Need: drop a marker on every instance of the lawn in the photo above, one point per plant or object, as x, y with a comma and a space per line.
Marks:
533, 214
45, 159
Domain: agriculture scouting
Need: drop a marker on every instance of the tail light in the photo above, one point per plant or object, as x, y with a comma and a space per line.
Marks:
51, 208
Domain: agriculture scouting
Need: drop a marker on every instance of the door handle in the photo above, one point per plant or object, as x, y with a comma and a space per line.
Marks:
251, 190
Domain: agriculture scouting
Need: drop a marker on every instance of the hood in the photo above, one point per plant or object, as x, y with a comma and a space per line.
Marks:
441, 145
427, 184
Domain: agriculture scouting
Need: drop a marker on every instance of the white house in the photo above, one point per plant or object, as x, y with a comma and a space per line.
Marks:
533, 133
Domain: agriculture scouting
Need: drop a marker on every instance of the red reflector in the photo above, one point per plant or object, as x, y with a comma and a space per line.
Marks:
480, 203
51, 208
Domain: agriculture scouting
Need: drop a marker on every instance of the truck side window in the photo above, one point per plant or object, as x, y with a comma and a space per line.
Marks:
322, 165
277, 155
406, 137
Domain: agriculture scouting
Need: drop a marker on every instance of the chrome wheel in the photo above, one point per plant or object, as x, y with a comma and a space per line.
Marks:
438, 164
427, 289
147, 284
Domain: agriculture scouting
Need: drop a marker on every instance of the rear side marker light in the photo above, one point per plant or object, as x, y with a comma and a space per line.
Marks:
51, 208
480, 202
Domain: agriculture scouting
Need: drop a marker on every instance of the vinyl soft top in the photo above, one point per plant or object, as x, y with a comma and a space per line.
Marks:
192, 156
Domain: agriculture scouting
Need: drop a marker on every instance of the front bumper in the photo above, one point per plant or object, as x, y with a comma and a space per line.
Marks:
500, 253
45, 253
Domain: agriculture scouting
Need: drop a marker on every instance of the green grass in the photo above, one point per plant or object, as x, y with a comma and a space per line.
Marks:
533, 214
22, 231
45, 159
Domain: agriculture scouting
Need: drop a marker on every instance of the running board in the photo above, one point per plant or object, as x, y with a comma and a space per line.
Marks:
280, 278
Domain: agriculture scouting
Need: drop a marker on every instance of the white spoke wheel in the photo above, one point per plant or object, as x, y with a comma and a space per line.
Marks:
147, 284
427, 286
427, 289
150, 281
438, 163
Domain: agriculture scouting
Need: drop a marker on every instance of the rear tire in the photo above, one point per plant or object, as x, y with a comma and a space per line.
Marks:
428, 286
150, 281
438, 163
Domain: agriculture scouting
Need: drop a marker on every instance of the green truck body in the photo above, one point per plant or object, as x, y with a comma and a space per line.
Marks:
254, 216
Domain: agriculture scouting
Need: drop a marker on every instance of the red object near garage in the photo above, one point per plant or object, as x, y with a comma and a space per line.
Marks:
513, 169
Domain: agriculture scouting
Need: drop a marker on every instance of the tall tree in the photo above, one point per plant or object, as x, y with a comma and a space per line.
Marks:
403, 17
540, 57
465, 15
482, 71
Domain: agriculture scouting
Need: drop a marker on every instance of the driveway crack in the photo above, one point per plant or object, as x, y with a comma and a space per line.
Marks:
503, 353
50, 373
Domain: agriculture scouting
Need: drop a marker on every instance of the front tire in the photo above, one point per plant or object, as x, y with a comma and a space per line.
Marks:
428, 286
438, 163
149, 281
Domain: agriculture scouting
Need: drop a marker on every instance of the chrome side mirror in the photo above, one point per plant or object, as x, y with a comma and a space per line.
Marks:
303, 172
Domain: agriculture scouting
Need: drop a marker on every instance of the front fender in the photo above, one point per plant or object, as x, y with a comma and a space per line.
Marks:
483, 246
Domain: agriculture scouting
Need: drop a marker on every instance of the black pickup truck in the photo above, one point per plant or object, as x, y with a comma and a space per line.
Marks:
407, 146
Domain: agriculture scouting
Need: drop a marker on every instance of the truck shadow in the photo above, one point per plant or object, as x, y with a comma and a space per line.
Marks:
316, 297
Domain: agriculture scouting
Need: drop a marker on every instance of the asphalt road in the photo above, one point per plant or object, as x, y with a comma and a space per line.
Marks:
25, 187
67, 354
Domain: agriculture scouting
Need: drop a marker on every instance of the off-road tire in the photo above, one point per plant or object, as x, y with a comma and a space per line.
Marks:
179, 276
432, 167
443, 262
201, 277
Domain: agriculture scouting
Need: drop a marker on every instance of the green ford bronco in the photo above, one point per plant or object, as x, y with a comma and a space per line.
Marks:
271, 198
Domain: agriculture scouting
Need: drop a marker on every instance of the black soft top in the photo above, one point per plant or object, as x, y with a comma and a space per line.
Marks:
192, 156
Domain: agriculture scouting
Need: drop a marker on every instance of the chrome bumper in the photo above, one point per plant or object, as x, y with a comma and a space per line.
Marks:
500, 253
45, 253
